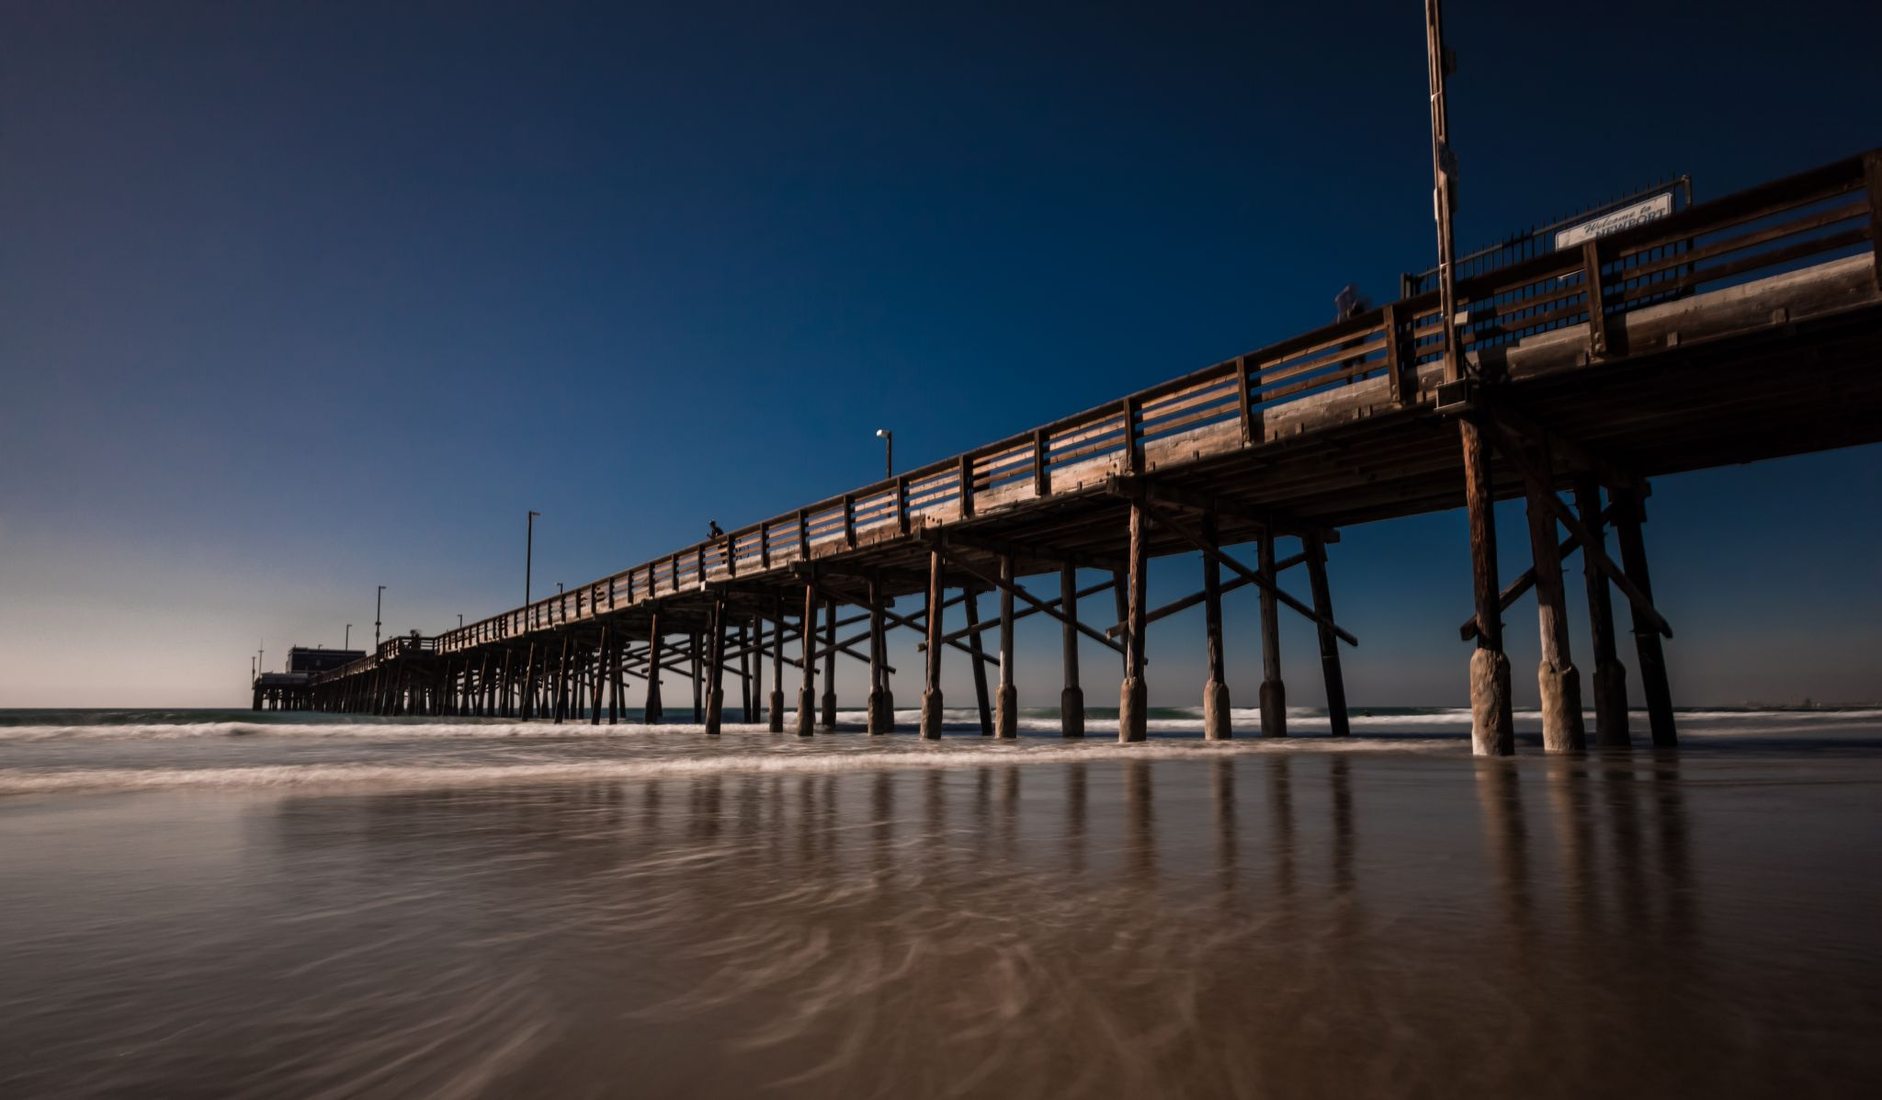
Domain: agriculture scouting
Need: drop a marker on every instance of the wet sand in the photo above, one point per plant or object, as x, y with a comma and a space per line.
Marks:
1296, 922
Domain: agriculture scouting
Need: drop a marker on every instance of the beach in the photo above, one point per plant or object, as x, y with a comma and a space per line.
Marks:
221, 903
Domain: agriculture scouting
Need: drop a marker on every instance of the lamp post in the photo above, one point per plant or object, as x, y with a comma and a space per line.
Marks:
558, 588
348, 644
460, 620
378, 605
888, 450
529, 554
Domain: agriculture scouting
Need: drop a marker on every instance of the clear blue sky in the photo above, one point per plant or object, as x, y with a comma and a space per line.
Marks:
299, 299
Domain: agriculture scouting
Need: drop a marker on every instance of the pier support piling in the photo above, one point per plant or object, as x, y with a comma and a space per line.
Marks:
699, 679
1557, 679
755, 695
1132, 718
617, 642
775, 715
597, 676
931, 689
1072, 696
1335, 679
1006, 716
1610, 676
744, 675
1492, 727
528, 704
1629, 513
881, 707
1215, 690
829, 665
655, 713
970, 597
562, 682
1273, 690
807, 691
715, 667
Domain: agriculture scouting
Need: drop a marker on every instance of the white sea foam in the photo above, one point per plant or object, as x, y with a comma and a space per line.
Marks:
919, 755
294, 751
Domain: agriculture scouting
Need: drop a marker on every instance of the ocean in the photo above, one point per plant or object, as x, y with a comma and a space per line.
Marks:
226, 903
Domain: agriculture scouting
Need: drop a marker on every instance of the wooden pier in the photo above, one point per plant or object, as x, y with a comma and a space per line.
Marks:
1740, 329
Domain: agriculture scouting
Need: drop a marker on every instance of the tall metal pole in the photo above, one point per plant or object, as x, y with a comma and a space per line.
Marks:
1491, 725
378, 605
529, 554
348, 644
888, 452
1444, 192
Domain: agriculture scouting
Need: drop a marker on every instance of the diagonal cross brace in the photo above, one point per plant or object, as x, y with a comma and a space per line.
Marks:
918, 622
1525, 582
1037, 603
1055, 601
817, 649
1642, 606
1190, 601
1166, 518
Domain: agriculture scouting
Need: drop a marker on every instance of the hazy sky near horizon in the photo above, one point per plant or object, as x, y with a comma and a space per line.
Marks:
300, 299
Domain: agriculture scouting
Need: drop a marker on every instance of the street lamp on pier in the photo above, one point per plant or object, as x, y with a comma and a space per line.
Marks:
378, 605
888, 450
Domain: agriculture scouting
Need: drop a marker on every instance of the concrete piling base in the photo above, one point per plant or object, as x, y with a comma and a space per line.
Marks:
1562, 727
1072, 712
777, 711
1490, 723
806, 713
1273, 708
1215, 711
829, 710
715, 711
881, 712
1006, 712
1132, 713
931, 715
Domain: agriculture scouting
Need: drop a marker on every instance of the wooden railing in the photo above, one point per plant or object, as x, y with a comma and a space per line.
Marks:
1823, 214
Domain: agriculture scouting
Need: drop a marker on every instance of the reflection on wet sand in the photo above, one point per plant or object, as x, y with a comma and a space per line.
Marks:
1140, 846
1222, 925
1228, 852
979, 921
1281, 815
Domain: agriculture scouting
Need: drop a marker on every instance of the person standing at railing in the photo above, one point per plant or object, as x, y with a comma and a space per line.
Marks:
717, 535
